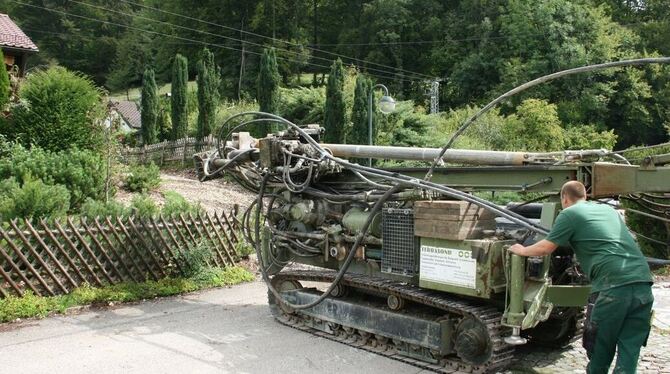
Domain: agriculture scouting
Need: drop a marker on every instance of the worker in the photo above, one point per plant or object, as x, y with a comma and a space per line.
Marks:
620, 304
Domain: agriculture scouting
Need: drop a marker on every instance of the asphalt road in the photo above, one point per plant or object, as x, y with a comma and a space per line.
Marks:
226, 330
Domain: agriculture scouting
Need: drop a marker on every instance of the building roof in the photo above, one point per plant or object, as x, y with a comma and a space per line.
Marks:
11, 35
130, 112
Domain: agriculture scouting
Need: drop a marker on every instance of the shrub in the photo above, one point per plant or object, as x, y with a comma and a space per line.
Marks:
92, 209
243, 249
176, 204
302, 105
33, 199
143, 206
143, 178
60, 110
83, 172
195, 259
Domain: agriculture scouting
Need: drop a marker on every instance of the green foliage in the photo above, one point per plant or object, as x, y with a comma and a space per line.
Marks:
33, 199
588, 137
359, 113
177, 204
59, 110
179, 97
143, 178
30, 306
143, 206
195, 259
244, 249
149, 108
209, 81
534, 127
93, 208
335, 108
4, 85
648, 228
82, 172
302, 105
268, 86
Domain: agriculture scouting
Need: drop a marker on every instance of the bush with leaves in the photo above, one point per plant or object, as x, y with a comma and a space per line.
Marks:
83, 172
143, 206
59, 110
93, 208
195, 259
177, 204
143, 178
32, 199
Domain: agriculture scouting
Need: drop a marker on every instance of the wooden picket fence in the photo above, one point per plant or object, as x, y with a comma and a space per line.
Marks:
54, 258
181, 151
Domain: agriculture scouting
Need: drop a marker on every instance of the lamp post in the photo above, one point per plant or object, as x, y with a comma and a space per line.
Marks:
386, 106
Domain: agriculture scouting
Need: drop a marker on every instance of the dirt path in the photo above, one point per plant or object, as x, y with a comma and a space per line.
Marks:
214, 195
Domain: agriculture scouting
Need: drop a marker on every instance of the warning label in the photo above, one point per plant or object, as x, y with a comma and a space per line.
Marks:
449, 266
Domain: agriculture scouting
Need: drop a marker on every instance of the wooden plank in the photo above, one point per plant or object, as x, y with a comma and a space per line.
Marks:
144, 243
233, 234
187, 244
452, 230
203, 239
27, 263
111, 247
123, 245
102, 250
62, 251
79, 255
158, 247
225, 235
51, 254
166, 245
138, 252
38, 257
8, 279
183, 221
89, 250
211, 239
452, 208
216, 232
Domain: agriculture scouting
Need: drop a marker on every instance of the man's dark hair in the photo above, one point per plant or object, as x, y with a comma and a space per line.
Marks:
573, 190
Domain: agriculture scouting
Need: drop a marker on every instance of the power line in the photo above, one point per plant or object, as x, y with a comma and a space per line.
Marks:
184, 39
415, 42
276, 40
221, 36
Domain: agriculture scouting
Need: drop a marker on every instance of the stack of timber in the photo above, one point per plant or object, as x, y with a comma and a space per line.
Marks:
452, 220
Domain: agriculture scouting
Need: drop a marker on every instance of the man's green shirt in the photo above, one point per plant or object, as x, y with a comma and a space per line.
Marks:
606, 250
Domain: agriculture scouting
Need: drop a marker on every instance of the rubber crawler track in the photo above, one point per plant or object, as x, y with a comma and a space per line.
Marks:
502, 354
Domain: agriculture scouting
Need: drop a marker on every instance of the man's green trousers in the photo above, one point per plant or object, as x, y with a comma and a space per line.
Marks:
620, 320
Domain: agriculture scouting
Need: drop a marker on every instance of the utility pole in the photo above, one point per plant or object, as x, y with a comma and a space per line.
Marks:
434, 94
315, 39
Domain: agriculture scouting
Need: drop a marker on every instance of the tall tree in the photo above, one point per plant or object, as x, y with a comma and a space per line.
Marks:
335, 111
4, 84
359, 112
179, 97
149, 107
268, 85
208, 92
360, 115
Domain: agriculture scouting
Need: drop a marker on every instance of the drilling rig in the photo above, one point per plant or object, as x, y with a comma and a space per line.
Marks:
411, 262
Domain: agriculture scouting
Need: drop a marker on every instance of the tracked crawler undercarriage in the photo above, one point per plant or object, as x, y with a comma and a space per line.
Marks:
415, 262
412, 322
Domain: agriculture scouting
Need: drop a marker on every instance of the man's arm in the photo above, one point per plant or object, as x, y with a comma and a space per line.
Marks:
541, 248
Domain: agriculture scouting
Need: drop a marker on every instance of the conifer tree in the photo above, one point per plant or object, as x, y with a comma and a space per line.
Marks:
335, 112
4, 84
359, 114
149, 107
268, 88
208, 93
179, 97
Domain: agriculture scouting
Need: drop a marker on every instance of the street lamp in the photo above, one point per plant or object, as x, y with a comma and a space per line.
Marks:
386, 106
